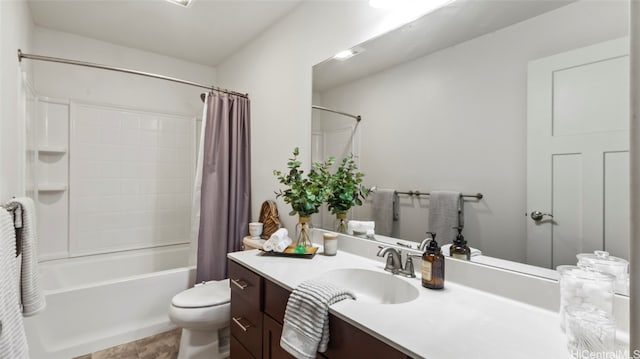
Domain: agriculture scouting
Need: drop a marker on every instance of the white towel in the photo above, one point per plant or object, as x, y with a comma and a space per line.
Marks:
306, 320
385, 210
360, 227
445, 212
278, 242
31, 293
446, 247
13, 341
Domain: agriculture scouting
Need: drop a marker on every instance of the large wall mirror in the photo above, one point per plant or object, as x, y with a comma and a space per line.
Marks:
526, 102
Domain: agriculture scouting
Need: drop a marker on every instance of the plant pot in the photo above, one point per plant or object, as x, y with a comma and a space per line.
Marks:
340, 225
303, 234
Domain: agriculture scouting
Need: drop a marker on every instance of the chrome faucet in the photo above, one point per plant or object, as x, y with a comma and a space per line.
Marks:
394, 259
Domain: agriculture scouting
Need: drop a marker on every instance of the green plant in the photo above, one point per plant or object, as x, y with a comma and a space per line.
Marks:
346, 189
305, 194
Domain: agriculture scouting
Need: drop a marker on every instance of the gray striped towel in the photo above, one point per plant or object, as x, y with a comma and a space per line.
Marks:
31, 294
13, 341
306, 320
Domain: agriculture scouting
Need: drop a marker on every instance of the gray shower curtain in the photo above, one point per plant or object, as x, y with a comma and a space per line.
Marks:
225, 205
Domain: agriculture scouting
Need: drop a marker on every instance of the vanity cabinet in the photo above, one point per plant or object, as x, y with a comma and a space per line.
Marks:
257, 313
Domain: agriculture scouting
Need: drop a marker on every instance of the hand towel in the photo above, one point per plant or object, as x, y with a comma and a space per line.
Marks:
445, 212
446, 247
31, 293
306, 319
279, 241
360, 227
385, 210
13, 341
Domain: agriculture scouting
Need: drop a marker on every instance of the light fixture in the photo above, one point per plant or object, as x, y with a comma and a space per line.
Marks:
347, 54
184, 3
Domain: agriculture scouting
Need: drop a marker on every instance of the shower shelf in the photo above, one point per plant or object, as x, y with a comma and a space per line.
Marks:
52, 187
52, 149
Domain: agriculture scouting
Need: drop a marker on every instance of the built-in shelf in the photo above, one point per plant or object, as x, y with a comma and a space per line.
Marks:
52, 149
52, 187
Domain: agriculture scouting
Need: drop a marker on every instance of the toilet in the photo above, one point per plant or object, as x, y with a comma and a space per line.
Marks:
203, 313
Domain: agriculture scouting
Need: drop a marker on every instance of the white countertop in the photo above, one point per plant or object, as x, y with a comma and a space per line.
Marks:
456, 322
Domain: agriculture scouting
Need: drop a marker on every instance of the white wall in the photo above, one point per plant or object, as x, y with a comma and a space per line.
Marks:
15, 32
275, 69
108, 87
456, 119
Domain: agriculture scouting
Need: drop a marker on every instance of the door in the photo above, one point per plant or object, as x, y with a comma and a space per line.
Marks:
578, 154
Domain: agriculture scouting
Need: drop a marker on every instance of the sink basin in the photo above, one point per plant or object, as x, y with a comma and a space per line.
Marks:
372, 286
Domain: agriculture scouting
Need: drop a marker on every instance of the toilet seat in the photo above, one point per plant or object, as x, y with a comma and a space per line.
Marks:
209, 294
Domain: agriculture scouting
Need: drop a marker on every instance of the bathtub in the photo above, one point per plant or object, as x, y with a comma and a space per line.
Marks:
96, 302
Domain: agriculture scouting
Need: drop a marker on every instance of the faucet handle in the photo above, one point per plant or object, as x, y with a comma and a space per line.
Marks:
408, 270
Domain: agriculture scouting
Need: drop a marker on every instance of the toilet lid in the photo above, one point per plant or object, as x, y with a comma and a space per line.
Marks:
206, 295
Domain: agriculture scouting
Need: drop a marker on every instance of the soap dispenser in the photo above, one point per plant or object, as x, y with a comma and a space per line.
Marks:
433, 265
459, 249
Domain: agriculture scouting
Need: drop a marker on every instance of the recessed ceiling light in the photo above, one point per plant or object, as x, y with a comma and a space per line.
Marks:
349, 53
184, 3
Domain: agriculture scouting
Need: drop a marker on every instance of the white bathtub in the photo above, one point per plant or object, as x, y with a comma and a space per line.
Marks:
96, 302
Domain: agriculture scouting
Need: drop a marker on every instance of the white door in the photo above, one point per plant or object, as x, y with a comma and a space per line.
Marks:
578, 154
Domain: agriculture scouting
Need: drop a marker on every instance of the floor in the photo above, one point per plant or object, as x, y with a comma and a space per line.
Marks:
160, 346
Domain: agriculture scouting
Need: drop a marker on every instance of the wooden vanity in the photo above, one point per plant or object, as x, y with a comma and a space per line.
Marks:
257, 312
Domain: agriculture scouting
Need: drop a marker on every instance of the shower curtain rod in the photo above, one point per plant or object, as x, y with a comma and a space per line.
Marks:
22, 55
356, 117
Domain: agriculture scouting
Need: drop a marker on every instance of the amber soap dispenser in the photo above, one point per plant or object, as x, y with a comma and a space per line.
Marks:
459, 249
433, 265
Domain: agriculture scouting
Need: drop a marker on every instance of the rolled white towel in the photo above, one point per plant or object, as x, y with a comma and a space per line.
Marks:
281, 233
282, 244
361, 227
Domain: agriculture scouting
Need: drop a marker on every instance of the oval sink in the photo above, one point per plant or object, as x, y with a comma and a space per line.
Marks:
371, 286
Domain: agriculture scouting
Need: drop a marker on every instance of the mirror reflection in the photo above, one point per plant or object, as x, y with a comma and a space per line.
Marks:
525, 102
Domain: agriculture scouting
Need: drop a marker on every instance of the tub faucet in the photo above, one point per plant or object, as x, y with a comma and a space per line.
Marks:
394, 259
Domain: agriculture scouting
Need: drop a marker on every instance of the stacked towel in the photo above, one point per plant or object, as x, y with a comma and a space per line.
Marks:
361, 227
278, 242
13, 341
385, 210
32, 295
306, 320
446, 247
445, 212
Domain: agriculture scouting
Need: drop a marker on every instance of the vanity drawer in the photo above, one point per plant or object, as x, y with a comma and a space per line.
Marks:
238, 351
246, 325
245, 285
275, 300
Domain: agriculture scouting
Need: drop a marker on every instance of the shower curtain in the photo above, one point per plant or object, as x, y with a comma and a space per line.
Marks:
225, 201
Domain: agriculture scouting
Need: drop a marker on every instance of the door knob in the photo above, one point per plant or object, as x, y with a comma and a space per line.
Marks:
537, 215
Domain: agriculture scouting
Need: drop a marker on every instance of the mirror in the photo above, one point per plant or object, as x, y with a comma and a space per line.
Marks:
471, 98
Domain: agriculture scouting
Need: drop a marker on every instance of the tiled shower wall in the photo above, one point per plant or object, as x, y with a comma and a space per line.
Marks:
130, 176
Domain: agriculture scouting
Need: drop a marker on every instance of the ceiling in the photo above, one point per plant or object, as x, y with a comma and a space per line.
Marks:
207, 32
455, 23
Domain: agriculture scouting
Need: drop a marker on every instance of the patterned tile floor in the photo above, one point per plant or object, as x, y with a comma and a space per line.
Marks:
161, 346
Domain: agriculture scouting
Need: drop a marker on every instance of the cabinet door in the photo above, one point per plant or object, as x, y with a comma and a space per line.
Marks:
271, 332
349, 342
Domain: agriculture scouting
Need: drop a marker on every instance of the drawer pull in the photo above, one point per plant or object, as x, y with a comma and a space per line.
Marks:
240, 283
242, 323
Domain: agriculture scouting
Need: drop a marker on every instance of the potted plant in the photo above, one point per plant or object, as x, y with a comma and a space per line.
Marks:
346, 191
305, 194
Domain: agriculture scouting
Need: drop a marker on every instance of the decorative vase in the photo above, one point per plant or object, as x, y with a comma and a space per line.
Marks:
303, 234
340, 224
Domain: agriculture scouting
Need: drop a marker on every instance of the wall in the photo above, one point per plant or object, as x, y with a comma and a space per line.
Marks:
275, 69
99, 86
15, 32
119, 90
460, 122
